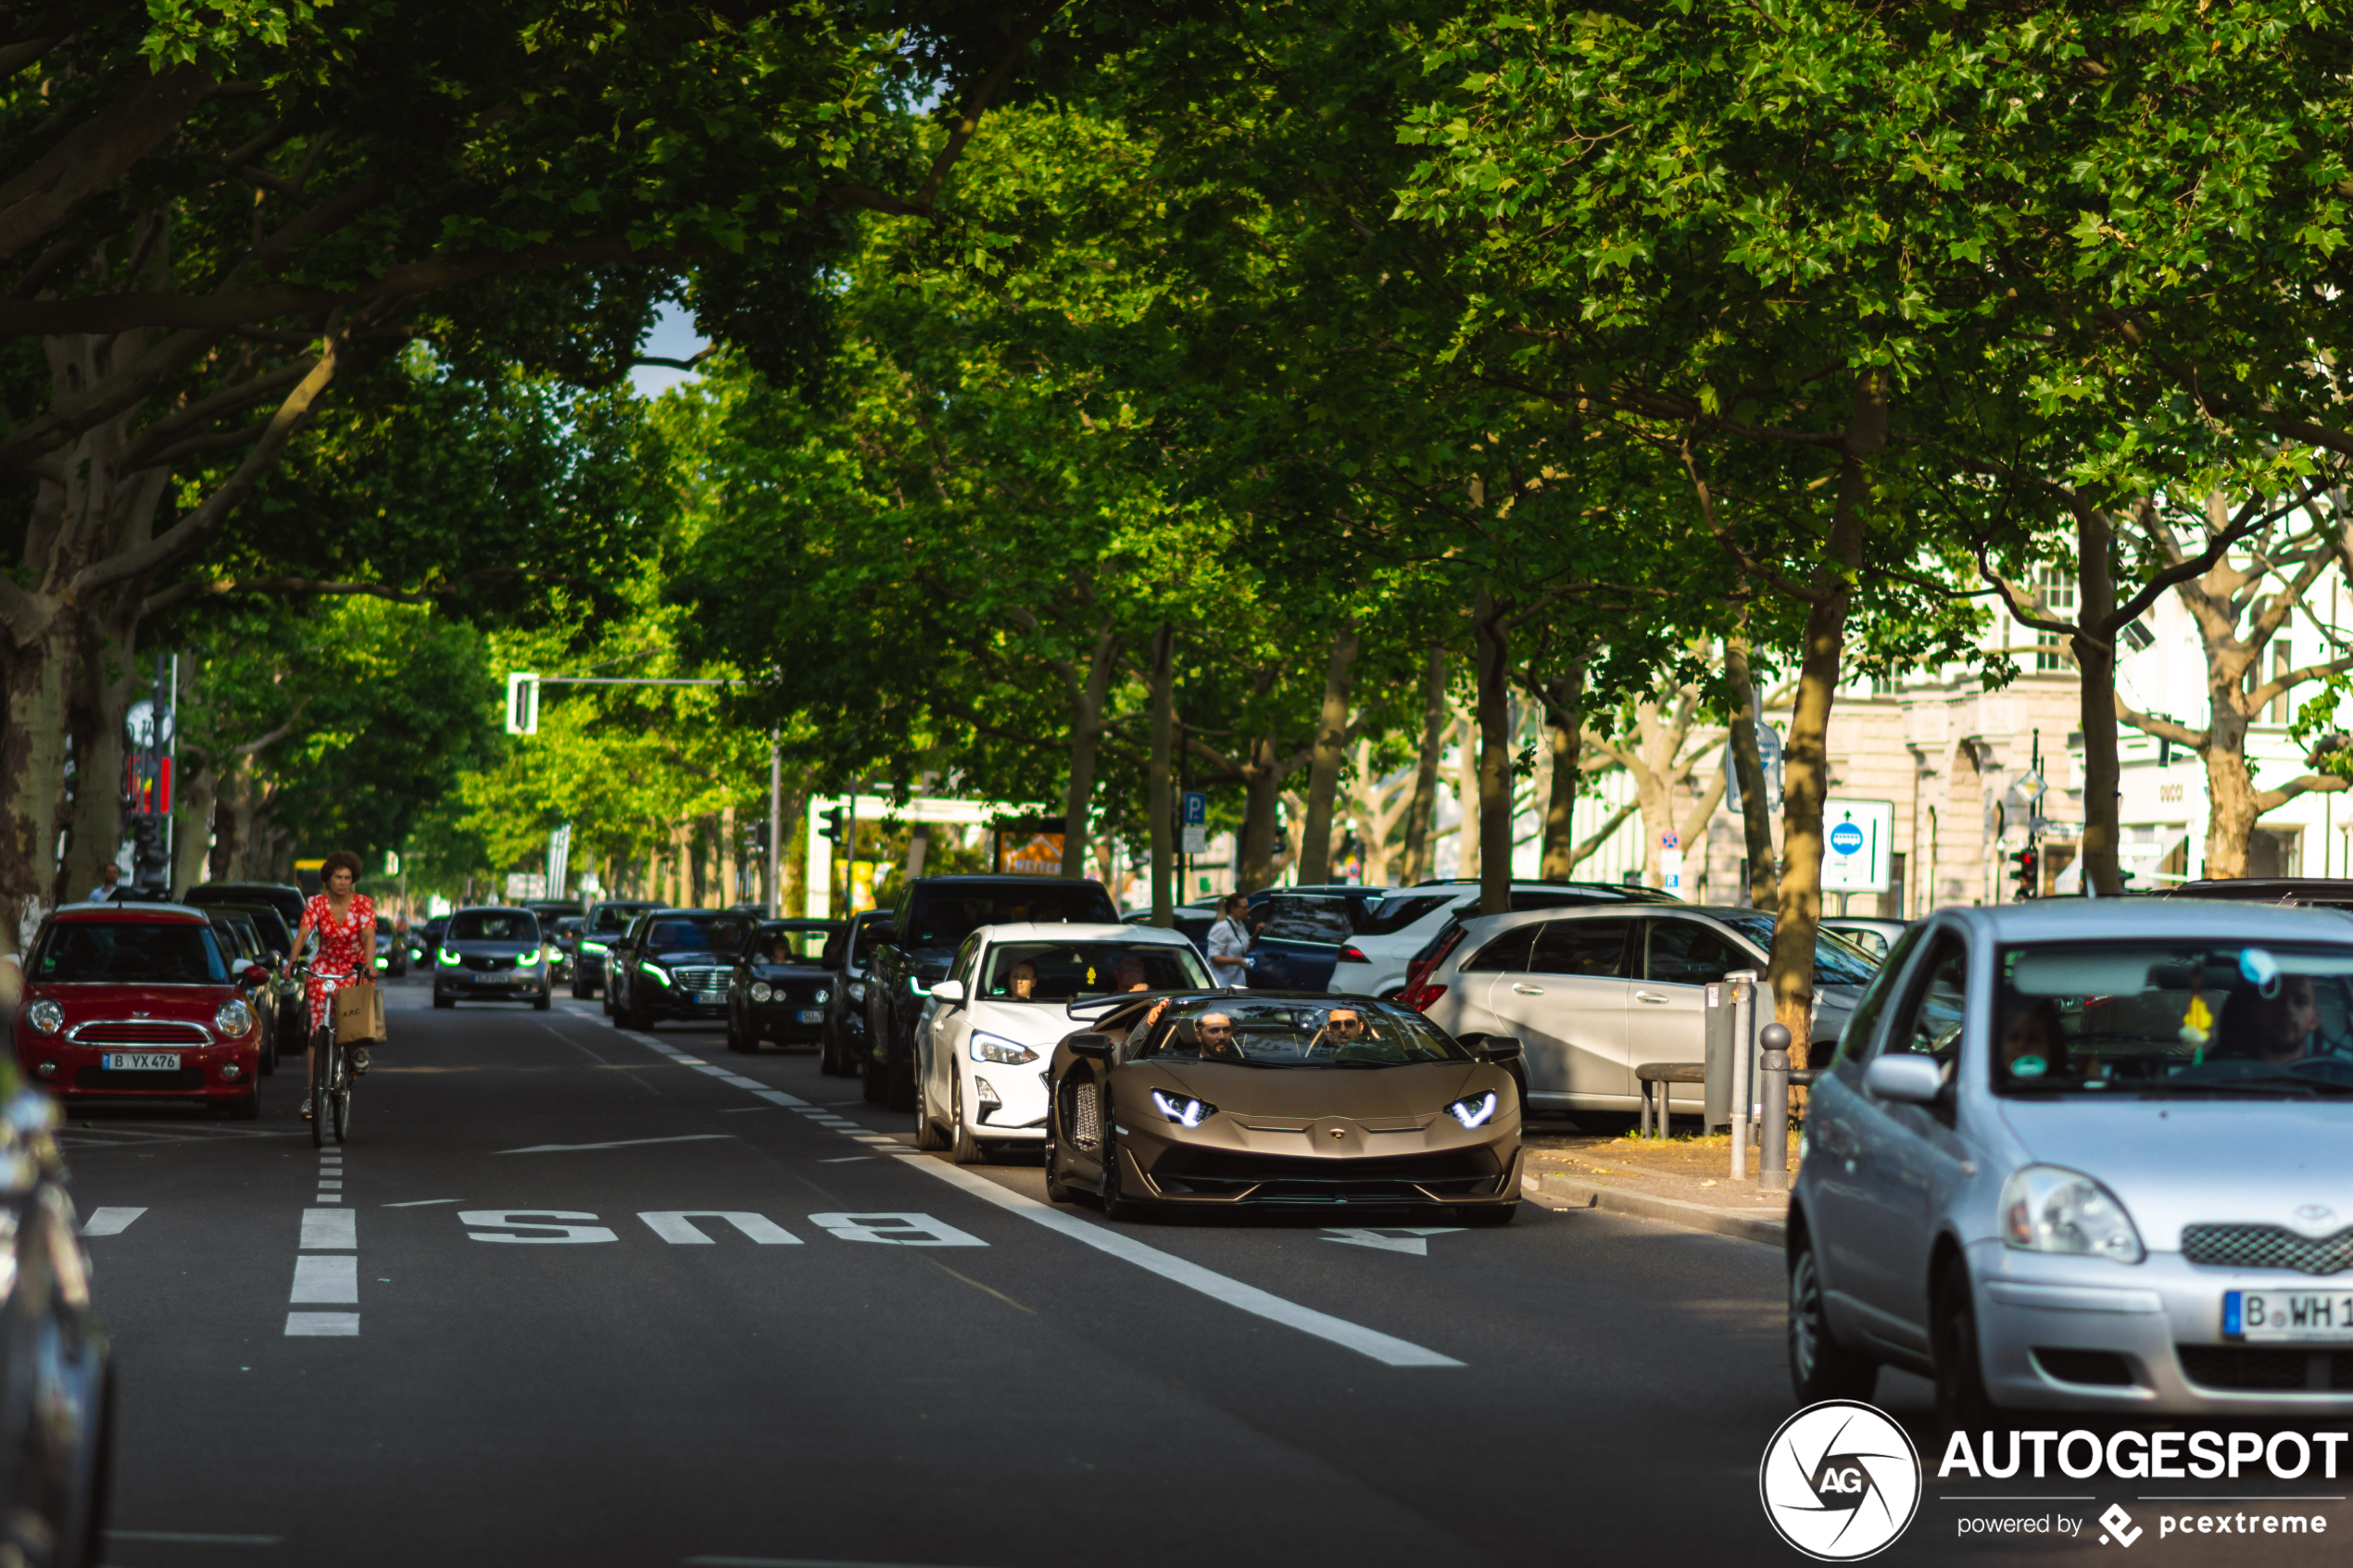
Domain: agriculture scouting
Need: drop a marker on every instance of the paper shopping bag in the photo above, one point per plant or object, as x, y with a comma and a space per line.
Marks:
359, 1015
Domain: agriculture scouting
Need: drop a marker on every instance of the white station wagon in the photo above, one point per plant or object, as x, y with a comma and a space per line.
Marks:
2088, 1155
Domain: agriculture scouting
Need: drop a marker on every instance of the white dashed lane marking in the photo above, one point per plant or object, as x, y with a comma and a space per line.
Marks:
109, 1221
326, 1265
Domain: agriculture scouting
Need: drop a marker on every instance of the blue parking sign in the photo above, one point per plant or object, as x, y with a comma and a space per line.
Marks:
1196, 809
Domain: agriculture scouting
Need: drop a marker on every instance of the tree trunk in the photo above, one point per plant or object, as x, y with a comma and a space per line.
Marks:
1805, 756
1748, 764
1565, 737
2096, 672
1089, 697
1494, 760
1422, 815
100, 758
2230, 805
32, 760
1160, 804
1331, 756
1262, 788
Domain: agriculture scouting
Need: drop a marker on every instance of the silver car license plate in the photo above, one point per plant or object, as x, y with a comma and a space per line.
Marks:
139, 1062
2287, 1314
812, 1015
710, 999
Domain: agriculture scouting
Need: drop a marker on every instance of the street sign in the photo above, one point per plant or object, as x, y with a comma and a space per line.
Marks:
1671, 840
1194, 820
1856, 846
1196, 809
1196, 841
1670, 866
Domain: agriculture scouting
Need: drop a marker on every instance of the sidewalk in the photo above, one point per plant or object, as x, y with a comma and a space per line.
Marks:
1685, 1181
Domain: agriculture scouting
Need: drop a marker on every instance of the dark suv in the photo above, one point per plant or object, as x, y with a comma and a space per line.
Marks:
913, 951
604, 926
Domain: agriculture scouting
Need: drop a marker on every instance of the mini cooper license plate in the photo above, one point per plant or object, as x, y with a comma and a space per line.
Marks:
2252, 1315
812, 1015
140, 1062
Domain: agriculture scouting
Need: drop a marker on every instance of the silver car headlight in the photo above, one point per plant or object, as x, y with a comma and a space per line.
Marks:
990, 1047
46, 1016
2051, 1208
233, 1019
760, 992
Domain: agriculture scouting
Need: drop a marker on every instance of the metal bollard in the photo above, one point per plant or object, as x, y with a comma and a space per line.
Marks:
1743, 983
1773, 1162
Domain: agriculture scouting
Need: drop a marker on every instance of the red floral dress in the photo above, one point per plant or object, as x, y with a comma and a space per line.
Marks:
347, 950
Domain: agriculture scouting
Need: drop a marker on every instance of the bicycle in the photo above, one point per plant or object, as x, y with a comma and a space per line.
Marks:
328, 1092
330, 1087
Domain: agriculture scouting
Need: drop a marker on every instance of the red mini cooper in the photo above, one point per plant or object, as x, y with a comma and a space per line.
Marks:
137, 1001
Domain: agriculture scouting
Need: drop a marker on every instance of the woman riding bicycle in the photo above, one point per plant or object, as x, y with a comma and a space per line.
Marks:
345, 922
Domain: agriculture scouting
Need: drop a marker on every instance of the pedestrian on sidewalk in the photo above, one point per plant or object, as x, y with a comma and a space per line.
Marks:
1229, 941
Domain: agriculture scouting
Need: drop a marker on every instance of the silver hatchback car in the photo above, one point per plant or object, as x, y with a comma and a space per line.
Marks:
2092, 1155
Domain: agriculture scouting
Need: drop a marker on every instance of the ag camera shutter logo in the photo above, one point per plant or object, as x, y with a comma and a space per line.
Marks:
1840, 1481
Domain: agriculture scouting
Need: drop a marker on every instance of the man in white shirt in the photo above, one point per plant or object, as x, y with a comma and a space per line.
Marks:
1229, 941
108, 875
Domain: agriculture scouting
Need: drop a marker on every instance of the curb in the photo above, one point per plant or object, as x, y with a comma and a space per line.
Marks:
1574, 1194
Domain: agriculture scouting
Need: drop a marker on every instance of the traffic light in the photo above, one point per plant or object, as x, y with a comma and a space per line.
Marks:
2026, 868
832, 818
756, 837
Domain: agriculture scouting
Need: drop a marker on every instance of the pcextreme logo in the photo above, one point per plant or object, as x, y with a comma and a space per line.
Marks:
1840, 1481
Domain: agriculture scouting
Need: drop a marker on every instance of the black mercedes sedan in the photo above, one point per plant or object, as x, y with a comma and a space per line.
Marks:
784, 975
674, 963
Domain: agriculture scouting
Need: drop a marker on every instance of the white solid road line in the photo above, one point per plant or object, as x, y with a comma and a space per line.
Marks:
1383, 1348
322, 1325
423, 1202
326, 1229
109, 1221
623, 1143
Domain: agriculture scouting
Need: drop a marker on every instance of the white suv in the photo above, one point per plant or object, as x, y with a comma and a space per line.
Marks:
1375, 962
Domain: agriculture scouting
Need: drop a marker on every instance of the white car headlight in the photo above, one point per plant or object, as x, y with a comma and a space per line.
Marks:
1182, 1109
233, 1019
760, 992
1475, 1110
46, 1016
2050, 1209
990, 1047
660, 977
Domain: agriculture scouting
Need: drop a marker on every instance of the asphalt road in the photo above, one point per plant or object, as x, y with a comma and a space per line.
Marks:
754, 1327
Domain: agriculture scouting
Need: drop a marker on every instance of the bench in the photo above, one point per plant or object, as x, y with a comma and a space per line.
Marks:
1663, 1074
